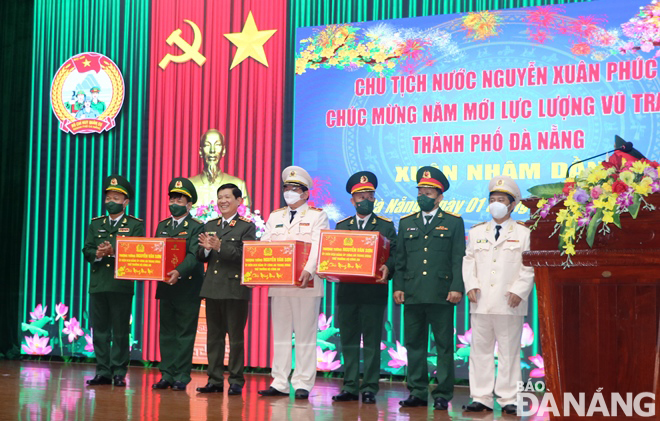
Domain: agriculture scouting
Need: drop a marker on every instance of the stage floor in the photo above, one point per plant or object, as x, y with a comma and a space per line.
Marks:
56, 391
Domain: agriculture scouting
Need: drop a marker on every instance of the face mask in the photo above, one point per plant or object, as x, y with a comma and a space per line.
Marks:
425, 203
291, 197
114, 208
177, 210
498, 210
364, 207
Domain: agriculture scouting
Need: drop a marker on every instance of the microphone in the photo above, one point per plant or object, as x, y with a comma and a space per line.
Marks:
626, 147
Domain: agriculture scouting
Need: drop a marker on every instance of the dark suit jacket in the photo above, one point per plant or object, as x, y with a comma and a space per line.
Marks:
223, 274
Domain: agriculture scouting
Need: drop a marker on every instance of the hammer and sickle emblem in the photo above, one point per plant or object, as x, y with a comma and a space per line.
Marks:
190, 52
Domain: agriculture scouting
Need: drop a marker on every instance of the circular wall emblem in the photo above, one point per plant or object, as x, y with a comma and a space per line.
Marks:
87, 93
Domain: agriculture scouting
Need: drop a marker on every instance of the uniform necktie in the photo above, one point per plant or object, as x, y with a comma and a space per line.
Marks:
293, 213
361, 224
224, 224
497, 231
428, 219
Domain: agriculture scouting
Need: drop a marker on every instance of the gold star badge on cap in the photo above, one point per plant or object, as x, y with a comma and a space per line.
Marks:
427, 174
178, 184
292, 173
113, 182
364, 179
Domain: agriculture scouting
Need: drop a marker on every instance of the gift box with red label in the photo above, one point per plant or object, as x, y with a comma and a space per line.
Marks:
274, 263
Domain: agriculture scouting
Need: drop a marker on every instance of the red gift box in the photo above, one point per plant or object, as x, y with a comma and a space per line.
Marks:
274, 263
352, 256
141, 259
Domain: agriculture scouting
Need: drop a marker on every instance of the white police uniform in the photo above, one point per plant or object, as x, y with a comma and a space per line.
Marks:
296, 309
495, 268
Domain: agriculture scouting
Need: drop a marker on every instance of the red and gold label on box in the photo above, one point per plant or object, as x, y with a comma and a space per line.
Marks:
352, 256
139, 258
275, 263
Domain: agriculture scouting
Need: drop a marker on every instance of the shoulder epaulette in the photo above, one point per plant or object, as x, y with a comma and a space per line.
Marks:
98, 217
383, 218
134, 217
214, 219
164, 220
452, 214
197, 220
480, 223
280, 209
242, 218
345, 219
522, 223
410, 214
315, 209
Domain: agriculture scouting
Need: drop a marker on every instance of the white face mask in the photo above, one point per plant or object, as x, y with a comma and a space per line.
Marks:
498, 210
291, 197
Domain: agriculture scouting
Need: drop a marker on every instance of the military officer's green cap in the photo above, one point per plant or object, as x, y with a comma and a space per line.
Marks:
81, 92
183, 186
116, 182
362, 181
432, 177
95, 89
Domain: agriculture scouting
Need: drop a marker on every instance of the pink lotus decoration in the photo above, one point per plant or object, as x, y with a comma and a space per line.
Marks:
325, 361
383, 347
537, 360
72, 328
323, 322
38, 313
89, 347
36, 345
61, 311
465, 339
527, 336
399, 357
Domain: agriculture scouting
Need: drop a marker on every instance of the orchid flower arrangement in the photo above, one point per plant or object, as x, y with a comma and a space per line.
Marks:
597, 198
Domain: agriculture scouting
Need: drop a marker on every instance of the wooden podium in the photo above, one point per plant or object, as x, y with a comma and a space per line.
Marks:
599, 318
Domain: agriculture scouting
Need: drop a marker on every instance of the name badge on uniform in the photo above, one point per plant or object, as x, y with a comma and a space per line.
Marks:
163, 233
304, 224
512, 241
412, 229
440, 227
279, 226
124, 229
482, 241
102, 231
183, 233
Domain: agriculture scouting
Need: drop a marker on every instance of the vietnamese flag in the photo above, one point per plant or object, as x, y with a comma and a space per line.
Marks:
86, 62
245, 103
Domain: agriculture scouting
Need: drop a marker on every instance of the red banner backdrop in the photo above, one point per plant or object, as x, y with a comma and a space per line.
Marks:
245, 103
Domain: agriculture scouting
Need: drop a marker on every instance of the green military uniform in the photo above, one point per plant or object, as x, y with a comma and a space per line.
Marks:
110, 298
361, 307
179, 303
98, 106
428, 266
227, 301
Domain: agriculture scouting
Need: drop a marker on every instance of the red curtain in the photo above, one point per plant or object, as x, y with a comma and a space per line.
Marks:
245, 103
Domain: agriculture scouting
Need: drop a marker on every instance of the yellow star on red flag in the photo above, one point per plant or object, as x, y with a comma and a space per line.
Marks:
250, 42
